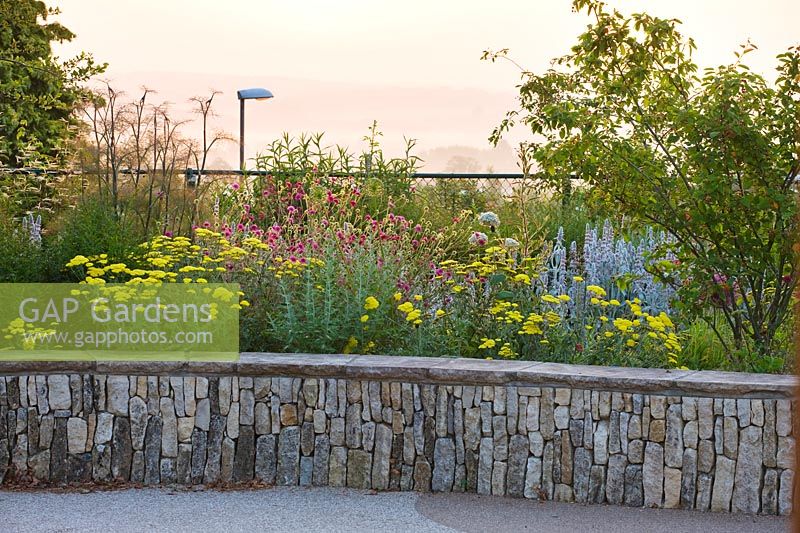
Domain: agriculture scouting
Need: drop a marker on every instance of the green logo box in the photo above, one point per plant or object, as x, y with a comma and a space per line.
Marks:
134, 322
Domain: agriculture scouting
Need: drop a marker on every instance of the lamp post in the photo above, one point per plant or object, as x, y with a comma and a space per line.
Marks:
248, 94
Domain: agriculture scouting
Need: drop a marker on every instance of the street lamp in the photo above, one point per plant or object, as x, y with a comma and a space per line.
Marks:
247, 94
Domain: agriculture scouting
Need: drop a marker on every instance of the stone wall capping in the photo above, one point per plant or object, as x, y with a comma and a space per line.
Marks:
738, 384
290, 364
440, 371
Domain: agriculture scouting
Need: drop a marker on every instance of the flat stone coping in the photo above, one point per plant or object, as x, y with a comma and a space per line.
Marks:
441, 370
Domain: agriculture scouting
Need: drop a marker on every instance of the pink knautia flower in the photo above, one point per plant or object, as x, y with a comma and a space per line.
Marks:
291, 209
478, 239
168, 234
276, 228
418, 228
240, 227
227, 232
254, 227
439, 272
415, 243
298, 196
265, 193
206, 224
235, 186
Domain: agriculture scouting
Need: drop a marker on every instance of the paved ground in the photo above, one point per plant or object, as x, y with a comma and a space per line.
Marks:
328, 509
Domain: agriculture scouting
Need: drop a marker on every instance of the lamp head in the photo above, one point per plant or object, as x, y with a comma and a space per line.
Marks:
254, 94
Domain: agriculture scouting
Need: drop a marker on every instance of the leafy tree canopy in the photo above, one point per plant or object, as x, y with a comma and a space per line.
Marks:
710, 156
38, 93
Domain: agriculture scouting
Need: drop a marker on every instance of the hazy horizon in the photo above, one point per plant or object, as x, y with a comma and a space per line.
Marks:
335, 68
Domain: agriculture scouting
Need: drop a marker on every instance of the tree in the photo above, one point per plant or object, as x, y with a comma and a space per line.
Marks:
712, 158
38, 94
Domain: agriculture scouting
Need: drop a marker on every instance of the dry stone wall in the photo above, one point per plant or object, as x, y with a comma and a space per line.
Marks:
705, 441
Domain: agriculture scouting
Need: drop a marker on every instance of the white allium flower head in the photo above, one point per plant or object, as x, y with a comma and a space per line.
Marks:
511, 243
489, 219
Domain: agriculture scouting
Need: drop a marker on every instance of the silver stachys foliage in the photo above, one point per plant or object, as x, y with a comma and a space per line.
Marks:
615, 263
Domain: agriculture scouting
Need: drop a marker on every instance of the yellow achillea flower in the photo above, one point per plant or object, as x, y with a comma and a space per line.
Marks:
77, 261
622, 324
522, 278
351, 345
596, 289
506, 351
397, 296
549, 298
371, 303
405, 307
364, 318
414, 315
488, 343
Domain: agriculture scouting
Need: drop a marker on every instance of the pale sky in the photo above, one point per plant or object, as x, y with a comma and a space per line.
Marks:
413, 65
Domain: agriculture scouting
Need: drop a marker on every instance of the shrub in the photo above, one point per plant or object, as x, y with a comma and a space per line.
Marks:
91, 228
711, 159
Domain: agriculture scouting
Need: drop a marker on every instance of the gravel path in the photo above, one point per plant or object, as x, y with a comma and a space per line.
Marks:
328, 509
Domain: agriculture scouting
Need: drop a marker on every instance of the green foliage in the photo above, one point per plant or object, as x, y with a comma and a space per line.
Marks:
90, 228
308, 161
712, 159
22, 260
38, 95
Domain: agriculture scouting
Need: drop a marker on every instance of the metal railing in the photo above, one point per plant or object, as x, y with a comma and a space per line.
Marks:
502, 184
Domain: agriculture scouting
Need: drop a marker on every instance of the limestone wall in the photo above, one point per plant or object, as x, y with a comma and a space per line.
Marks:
696, 440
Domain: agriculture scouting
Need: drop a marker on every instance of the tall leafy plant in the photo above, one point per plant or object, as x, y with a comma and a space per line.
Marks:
711, 157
